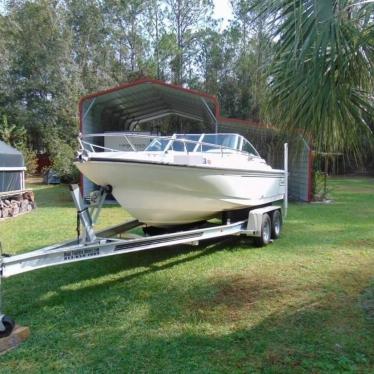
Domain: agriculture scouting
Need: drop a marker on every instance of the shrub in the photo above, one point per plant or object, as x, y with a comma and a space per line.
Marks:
320, 190
31, 160
12, 134
16, 136
62, 157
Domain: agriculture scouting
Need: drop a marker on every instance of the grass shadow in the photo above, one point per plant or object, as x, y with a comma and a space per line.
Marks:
115, 270
213, 326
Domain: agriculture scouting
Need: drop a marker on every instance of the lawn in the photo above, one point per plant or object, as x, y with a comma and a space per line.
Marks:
303, 304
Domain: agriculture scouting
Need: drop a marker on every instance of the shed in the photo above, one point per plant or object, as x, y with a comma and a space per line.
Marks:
12, 170
156, 107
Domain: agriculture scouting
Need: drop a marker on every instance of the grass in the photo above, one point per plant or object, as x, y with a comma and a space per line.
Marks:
302, 304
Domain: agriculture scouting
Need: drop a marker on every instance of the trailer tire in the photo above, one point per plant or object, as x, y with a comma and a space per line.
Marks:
8, 325
276, 225
265, 237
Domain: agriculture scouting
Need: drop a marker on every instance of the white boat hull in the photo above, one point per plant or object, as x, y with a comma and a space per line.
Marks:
165, 194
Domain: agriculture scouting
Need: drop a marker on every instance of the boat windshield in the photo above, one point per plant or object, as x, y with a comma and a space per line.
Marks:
225, 140
189, 146
247, 147
157, 145
202, 143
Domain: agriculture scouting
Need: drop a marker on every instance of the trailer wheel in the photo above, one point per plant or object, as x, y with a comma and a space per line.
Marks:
265, 237
276, 225
7, 326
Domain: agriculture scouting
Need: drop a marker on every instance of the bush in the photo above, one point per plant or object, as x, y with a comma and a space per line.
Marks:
62, 157
31, 160
320, 190
16, 136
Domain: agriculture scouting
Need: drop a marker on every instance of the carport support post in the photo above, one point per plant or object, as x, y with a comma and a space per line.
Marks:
285, 179
211, 115
89, 108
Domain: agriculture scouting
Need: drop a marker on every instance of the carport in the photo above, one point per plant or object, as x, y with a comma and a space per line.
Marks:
145, 102
155, 107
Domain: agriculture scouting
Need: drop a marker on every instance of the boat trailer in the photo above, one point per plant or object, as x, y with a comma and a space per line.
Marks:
264, 224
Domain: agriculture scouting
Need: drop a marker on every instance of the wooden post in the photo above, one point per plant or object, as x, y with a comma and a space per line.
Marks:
326, 174
18, 335
285, 201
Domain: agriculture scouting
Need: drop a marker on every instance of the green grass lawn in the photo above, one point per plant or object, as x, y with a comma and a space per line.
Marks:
302, 304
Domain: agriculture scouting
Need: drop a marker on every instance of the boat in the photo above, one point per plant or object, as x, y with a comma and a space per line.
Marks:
183, 178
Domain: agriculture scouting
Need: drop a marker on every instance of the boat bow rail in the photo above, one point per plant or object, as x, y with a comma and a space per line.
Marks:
187, 143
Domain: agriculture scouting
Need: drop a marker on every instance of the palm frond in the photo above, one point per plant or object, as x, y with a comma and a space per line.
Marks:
321, 78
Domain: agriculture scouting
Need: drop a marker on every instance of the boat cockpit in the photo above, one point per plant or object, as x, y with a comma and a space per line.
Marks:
195, 145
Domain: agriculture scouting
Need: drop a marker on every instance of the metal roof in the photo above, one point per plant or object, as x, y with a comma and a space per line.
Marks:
10, 157
145, 100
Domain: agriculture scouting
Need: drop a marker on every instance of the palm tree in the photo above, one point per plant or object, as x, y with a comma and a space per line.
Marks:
321, 77
11, 134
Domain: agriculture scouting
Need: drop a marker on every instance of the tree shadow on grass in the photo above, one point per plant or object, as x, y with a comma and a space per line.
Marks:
222, 325
120, 269
324, 333
79, 279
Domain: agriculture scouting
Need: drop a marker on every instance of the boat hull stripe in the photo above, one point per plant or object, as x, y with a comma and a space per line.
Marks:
248, 173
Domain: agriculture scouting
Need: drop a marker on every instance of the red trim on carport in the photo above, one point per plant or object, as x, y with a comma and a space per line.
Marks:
249, 122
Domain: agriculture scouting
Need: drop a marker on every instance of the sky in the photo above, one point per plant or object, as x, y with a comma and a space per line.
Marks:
222, 9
